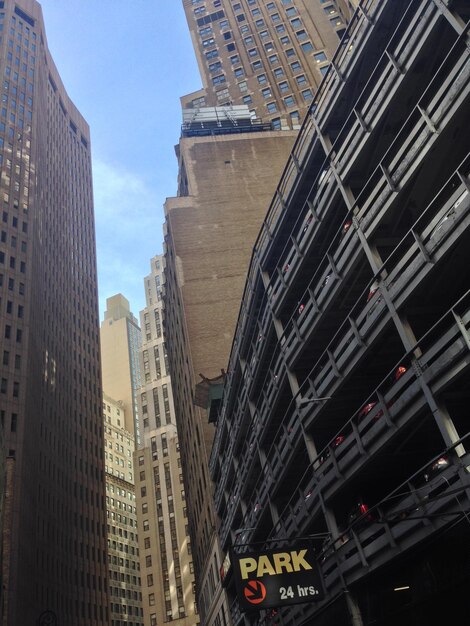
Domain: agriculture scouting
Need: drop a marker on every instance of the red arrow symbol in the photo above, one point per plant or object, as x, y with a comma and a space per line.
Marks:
255, 592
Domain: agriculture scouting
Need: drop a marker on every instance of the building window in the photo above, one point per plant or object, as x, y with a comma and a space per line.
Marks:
222, 94
307, 94
337, 21
276, 123
257, 65
262, 79
289, 101
294, 117
301, 80
213, 67
284, 86
239, 72
271, 107
217, 80
234, 59
320, 57
266, 93
307, 46
247, 99
278, 72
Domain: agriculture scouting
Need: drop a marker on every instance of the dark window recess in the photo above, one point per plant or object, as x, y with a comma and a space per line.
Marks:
24, 16
53, 85
212, 17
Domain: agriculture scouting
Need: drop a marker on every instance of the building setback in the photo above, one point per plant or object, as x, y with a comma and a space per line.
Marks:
54, 558
165, 549
270, 56
123, 548
344, 416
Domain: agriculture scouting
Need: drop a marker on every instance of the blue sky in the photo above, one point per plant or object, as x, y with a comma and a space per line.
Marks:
125, 63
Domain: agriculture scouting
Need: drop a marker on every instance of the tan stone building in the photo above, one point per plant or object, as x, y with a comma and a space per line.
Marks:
120, 349
55, 561
226, 182
270, 56
123, 549
165, 549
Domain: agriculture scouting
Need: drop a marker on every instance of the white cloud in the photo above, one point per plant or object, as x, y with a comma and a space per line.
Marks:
129, 219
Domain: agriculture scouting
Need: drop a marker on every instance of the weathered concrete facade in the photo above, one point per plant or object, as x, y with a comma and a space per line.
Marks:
227, 182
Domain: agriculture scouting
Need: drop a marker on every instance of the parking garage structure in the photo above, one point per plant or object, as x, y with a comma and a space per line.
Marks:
344, 409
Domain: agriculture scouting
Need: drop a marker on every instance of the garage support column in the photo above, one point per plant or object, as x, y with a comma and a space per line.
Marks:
353, 608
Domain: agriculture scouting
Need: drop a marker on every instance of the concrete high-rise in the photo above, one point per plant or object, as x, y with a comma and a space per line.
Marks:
123, 549
165, 549
270, 56
121, 341
55, 557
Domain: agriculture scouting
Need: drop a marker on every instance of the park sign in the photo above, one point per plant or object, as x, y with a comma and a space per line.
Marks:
276, 578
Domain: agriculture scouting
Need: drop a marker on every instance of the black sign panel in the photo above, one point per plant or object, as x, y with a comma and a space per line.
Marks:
274, 578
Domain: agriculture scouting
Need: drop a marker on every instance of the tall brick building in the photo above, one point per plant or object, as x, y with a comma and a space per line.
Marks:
54, 558
227, 183
270, 56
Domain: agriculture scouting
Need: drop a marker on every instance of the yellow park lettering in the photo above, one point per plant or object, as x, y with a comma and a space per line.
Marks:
264, 565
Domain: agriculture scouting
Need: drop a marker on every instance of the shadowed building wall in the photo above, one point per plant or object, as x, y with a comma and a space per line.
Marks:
50, 368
